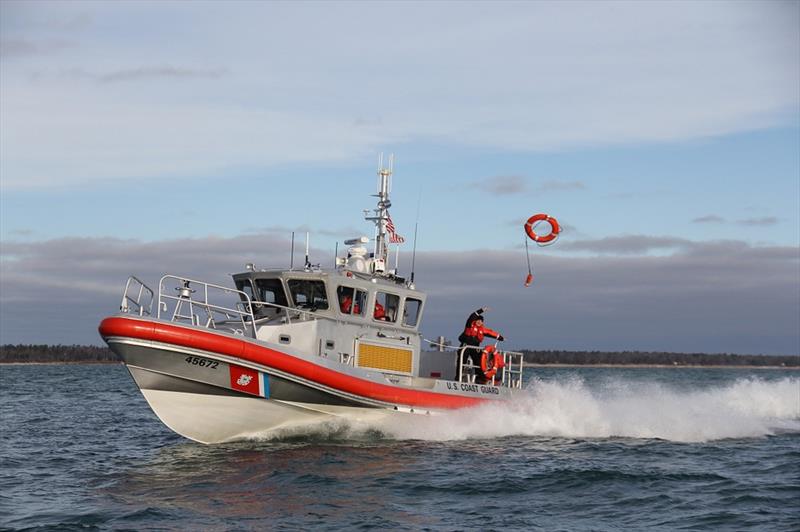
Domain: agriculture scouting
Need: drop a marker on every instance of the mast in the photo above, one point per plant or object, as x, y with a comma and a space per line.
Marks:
381, 215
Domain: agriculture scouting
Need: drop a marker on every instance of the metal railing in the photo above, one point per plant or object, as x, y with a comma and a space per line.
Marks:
288, 313
135, 290
510, 375
186, 306
512, 372
192, 303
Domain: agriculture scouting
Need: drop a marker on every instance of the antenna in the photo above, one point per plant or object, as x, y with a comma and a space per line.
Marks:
414, 252
308, 264
291, 255
416, 223
336, 255
385, 187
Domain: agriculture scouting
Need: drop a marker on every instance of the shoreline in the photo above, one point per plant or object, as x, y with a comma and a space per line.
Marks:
62, 363
526, 365
663, 366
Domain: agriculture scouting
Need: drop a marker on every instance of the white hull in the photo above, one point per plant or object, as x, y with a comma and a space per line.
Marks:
215, 418
219, 419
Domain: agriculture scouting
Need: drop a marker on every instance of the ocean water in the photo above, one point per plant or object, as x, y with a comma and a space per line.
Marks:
582, 449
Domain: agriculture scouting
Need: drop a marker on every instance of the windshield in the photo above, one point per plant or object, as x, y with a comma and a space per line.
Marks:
308, 294
271, 291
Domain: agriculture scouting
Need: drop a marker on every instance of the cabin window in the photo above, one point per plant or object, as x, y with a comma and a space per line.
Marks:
386, 306
271, 291
411, 312
246, 287
351, 301
307, 293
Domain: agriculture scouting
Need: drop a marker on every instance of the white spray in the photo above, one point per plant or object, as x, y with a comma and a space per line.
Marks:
569, 408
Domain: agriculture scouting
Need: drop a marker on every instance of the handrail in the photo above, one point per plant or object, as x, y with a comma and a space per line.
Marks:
288, 310
244, 310
137, 300
509, 371
511, 368
184, 299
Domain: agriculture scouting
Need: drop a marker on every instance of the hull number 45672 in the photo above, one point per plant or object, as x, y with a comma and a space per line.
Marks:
202, 362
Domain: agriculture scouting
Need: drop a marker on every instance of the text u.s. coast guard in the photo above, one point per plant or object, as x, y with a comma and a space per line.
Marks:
466, 387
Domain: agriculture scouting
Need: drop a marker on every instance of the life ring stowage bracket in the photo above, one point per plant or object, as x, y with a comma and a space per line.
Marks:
555, 229
491, 361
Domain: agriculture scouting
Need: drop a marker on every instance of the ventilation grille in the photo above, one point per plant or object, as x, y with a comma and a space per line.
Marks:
386, 358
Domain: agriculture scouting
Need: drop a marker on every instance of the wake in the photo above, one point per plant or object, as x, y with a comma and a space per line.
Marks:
746, 408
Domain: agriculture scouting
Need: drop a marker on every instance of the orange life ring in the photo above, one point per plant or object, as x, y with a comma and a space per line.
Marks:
491, 361
554, 228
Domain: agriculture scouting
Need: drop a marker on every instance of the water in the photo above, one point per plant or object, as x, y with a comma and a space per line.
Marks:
584, 449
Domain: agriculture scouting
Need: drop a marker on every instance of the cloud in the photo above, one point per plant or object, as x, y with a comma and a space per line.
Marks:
710, 218
510, 185
717, 297
644, 245
11, 48
44, 17
556, 186
613, 74
628, 244
764, 221
22, 232
141, 73
160, 72
700, 301
340, 233
501, 185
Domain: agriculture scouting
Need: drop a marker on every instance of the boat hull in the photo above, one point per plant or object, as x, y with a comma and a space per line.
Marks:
201, 403
198, 388
209, 416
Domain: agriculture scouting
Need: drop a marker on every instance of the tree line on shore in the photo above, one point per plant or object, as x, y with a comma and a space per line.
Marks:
90, 353
640, 358
55, 353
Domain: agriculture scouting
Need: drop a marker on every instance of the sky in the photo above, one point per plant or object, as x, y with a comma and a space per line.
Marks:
143, 138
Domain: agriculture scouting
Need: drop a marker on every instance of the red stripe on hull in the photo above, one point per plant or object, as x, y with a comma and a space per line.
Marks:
216, 343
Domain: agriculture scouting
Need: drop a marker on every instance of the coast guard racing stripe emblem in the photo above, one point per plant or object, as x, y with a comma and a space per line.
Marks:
249, 381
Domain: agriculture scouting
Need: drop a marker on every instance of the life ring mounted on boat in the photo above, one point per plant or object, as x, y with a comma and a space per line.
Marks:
491, 361
555, 229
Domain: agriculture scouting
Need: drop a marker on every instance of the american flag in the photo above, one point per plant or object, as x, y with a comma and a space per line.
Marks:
394, 238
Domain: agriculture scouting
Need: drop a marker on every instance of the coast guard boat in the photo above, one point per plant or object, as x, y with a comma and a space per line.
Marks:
285, 349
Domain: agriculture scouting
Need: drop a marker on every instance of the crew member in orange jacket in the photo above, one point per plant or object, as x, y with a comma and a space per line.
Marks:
379, 313
471, 339
347, 302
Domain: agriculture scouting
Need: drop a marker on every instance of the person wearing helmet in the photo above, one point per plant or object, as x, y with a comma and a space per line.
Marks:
470, 349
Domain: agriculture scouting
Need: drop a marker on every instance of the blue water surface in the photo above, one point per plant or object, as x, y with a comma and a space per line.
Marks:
81, 450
